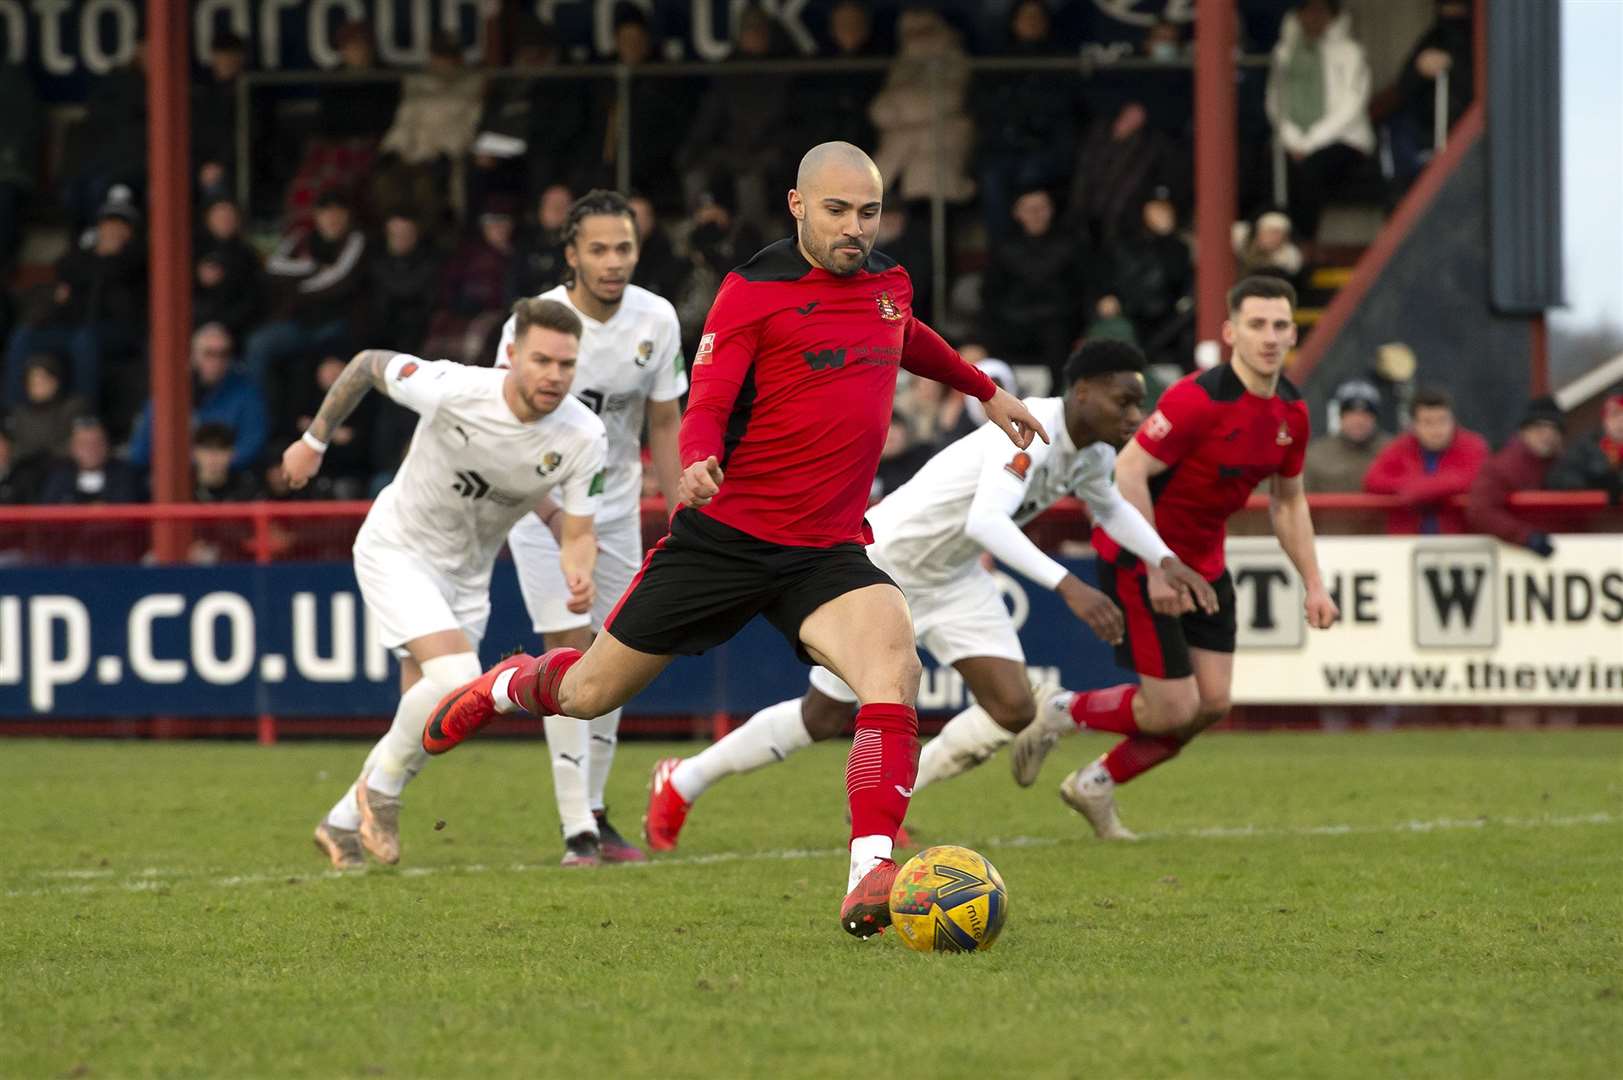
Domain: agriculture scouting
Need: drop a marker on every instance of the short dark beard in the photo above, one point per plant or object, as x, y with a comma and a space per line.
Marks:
824, 260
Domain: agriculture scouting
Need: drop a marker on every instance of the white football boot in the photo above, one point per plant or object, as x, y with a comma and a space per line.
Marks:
1092, 793
1036, 739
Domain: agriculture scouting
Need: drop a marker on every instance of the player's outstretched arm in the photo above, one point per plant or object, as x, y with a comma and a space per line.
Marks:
1293, 525
1010, 413
1174, 588
577, 558
364, 372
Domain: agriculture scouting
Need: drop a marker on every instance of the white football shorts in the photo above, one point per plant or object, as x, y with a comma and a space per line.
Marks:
541, 579
410, 598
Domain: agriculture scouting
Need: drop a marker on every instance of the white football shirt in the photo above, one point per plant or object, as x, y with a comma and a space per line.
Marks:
634, 358
920, 528
474, 469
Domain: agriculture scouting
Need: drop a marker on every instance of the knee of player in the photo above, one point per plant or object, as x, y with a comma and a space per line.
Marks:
909, 671
448, 672
1170, 714
1212, 710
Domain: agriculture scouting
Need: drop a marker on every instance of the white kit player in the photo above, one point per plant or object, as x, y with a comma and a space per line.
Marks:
630, 364
490, 447
929, 535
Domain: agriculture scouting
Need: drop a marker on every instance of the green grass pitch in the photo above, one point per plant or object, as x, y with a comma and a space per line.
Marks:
1438, 903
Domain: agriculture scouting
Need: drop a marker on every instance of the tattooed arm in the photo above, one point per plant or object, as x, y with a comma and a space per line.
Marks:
365, 372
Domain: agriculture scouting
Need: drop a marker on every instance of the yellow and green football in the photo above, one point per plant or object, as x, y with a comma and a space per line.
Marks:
948, 899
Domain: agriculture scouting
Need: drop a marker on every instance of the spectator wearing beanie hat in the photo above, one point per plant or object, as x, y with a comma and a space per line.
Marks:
1338, 461
1521, 465
1595, 462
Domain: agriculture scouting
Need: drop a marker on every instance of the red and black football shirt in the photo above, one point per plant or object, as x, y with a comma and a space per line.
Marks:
1220, 441
792, 388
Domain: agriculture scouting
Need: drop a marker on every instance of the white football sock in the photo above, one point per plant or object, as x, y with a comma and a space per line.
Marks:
968, 739
604, 737
498, 692
1095, 776
346, 812
769, 736
567, 743
400, 754
866, 853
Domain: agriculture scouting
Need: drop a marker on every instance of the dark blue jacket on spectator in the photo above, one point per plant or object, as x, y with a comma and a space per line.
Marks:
234, 401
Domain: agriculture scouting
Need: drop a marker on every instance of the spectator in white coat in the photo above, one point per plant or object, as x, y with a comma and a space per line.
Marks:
1318, 102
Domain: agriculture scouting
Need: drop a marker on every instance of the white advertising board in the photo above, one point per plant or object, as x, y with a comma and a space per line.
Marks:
1433, 620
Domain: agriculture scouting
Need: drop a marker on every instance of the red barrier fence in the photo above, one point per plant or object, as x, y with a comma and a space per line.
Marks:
269, 531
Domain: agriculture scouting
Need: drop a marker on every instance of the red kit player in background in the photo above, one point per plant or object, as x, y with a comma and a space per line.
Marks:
792, 388
1213, 438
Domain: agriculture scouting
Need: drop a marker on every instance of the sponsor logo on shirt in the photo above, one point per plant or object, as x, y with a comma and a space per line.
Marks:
807, 310
1157, 426
707, 345
1284, 436
818, 359
1019, 466
406, 370
645, 353
887, 308
470, 485
596, 487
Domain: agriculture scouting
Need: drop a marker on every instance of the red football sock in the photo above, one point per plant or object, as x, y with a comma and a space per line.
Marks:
1139, 754
535, 684
879, 773
1110, 709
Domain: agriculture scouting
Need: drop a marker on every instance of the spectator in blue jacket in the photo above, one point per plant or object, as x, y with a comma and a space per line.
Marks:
220, 395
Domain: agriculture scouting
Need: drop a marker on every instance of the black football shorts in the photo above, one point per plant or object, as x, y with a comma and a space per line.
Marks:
705, 580
1158, 645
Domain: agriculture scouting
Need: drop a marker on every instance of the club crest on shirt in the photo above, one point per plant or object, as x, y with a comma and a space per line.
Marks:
887, 308
645, 353
549, 463
1284, 436
707, 345
1019, 465
406, 370
1157, 426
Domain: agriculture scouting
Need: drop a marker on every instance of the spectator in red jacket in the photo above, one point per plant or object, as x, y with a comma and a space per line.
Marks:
1426, 466
1521, 465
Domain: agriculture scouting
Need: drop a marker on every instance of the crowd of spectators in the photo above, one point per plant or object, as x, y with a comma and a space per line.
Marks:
1435, 460
413, 209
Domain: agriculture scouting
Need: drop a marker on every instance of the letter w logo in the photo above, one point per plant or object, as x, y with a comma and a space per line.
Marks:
828, 358
1461, 592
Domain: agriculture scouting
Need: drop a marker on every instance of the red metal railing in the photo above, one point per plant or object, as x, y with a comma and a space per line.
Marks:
1580, 504
264, 532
